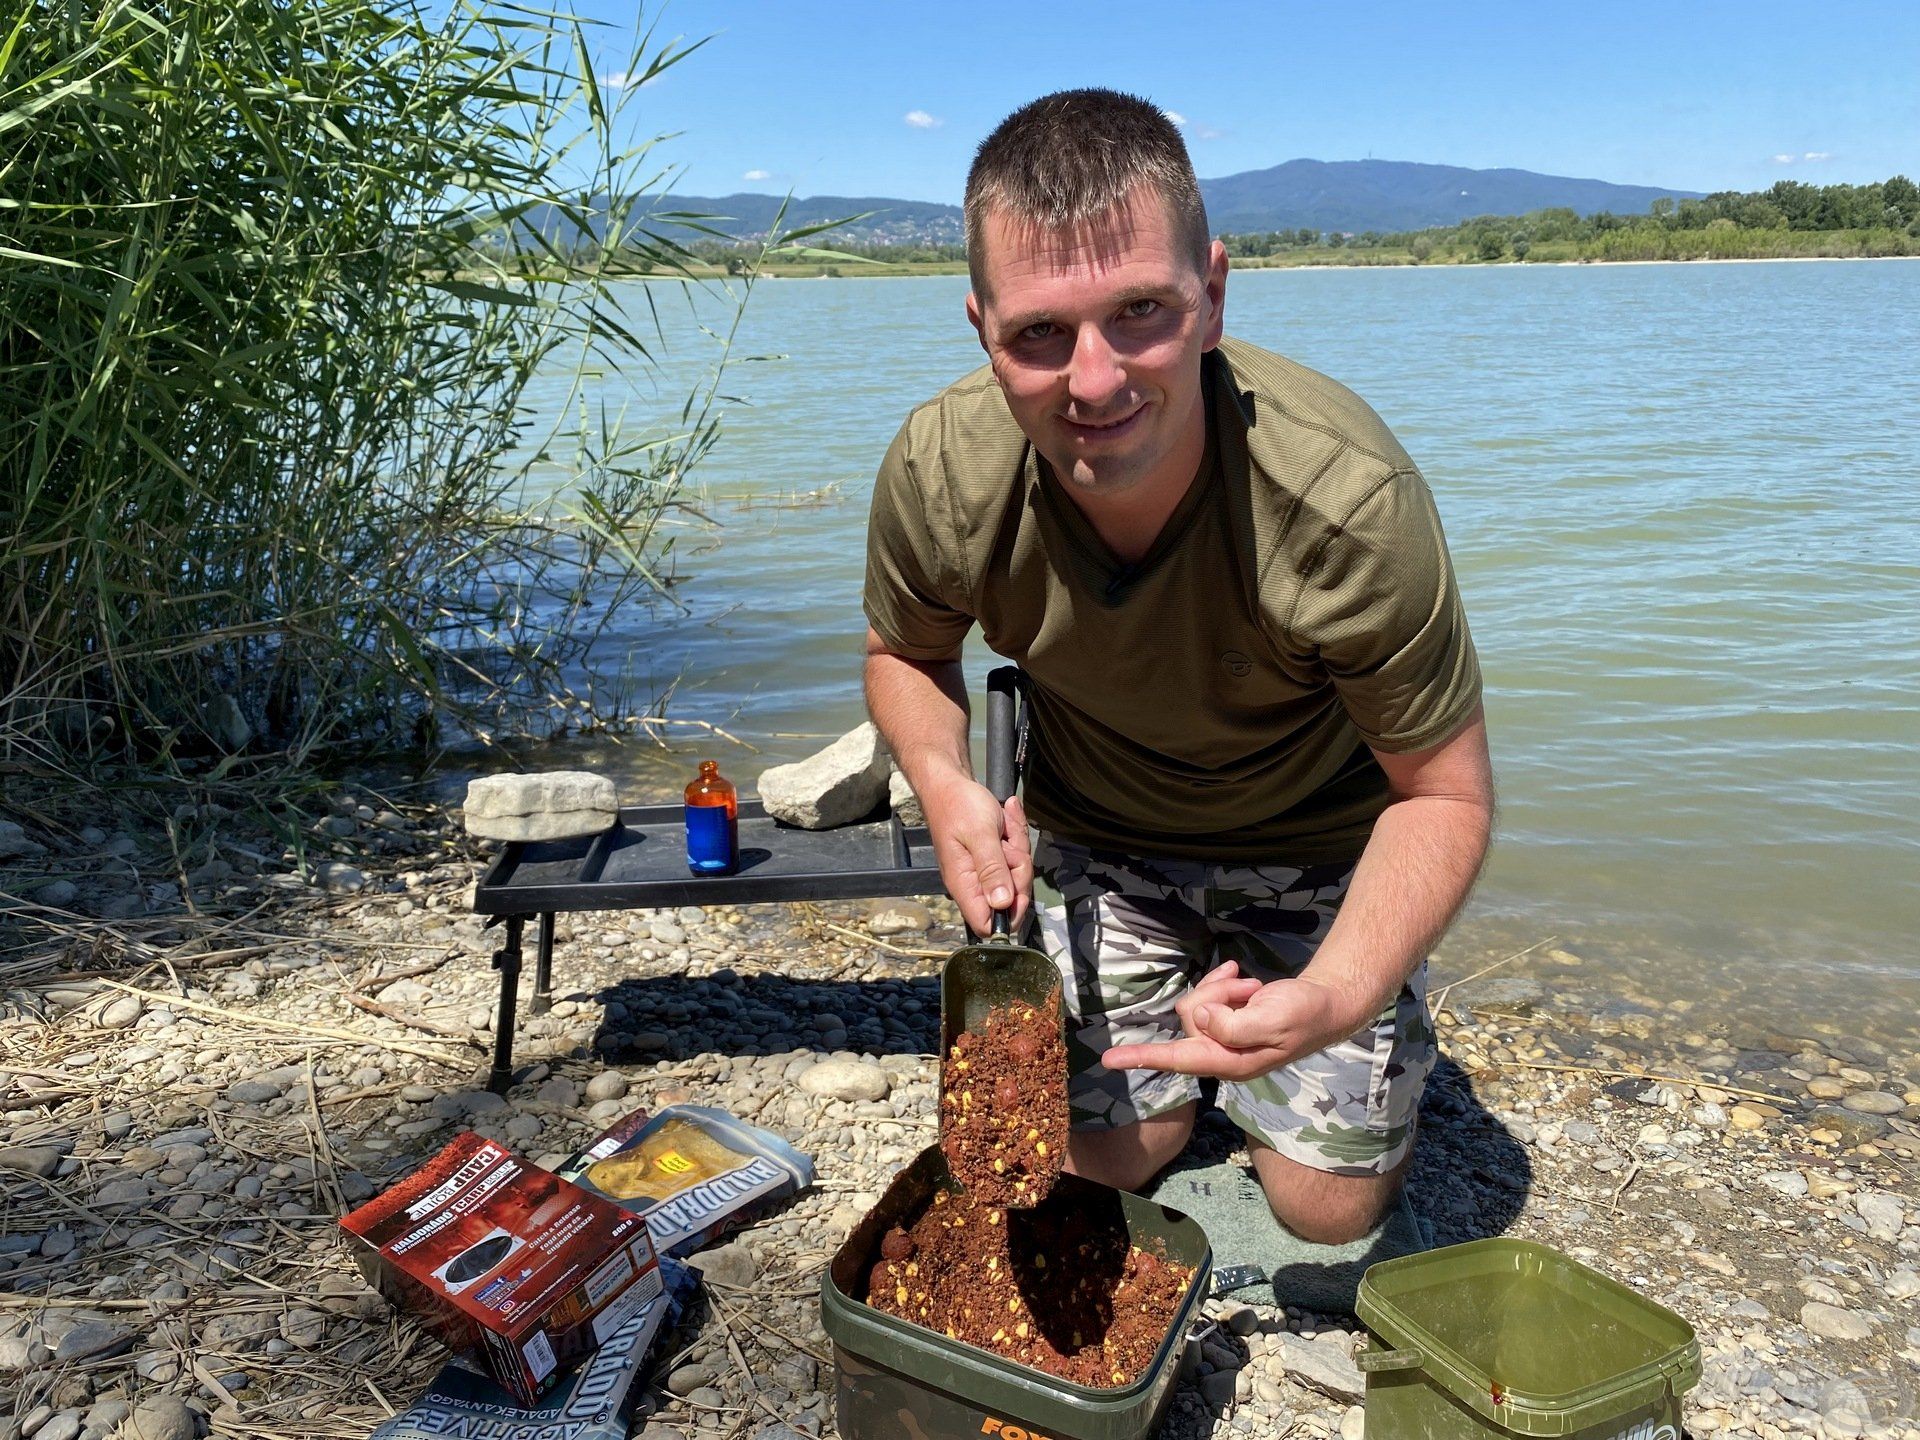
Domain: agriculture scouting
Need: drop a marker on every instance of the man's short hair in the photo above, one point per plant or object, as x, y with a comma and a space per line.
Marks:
1074, 156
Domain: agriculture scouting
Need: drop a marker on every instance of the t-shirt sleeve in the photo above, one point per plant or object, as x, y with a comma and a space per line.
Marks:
915, 600
1382, 612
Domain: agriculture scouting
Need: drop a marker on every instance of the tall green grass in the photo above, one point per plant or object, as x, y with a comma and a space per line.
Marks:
270, 305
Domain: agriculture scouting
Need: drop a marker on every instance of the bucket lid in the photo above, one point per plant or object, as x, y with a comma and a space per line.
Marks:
1528, 1337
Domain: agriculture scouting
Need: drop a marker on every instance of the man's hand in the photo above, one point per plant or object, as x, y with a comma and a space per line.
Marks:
1238, 1029
921, 709
982, 849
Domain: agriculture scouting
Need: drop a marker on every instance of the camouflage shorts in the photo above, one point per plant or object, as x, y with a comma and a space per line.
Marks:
1131, 934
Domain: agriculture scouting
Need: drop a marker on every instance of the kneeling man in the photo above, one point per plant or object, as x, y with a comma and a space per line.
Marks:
1259, 781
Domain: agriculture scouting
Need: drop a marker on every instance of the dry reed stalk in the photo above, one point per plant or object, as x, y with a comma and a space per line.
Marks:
1696, 1081
879, 944
1440, 1000
417, 1022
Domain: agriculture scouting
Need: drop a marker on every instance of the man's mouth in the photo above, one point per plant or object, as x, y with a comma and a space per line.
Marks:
1104, 429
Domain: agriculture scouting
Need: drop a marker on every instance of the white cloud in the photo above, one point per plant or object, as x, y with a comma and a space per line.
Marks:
1784, 159
1816, 156
622, 79
1196, 129
921, 120
758, 175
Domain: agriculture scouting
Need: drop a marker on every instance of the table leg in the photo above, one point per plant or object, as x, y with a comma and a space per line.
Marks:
507, 961
543, 967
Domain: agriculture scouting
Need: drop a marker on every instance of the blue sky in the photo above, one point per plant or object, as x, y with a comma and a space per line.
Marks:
890, 99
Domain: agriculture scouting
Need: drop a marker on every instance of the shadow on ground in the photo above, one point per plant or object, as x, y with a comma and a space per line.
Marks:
1470, 1179
674, 1018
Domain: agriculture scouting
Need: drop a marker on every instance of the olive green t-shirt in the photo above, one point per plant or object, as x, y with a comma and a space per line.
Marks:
1216, 699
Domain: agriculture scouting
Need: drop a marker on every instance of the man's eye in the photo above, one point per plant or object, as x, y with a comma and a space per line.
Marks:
1041, 330
1140, 309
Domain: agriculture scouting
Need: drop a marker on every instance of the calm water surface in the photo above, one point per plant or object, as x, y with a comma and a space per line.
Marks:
1682, 504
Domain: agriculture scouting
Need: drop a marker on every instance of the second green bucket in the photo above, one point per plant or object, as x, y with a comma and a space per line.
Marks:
1501, 1337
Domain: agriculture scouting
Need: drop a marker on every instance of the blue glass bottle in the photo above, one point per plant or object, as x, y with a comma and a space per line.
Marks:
713, 823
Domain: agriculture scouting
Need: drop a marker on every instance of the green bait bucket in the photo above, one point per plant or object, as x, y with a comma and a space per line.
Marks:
1502, 1337
897, 1381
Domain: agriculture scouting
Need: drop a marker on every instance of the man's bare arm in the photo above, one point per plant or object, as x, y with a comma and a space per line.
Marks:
1418, 866
1416, 871
921, 709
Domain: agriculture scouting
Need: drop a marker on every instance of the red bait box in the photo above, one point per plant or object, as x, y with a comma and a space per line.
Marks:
496, 1255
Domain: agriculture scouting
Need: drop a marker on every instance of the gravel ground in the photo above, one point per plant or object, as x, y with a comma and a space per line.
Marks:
206, 1053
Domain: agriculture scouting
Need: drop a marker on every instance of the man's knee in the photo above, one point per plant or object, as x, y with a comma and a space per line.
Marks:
1324, 1219
1323, 1208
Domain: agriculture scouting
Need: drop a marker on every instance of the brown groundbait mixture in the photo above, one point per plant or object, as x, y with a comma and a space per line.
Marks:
1003, 1104
1057, 1288
1053, 1283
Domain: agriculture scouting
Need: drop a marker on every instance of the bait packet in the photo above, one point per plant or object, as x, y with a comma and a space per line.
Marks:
692, 1171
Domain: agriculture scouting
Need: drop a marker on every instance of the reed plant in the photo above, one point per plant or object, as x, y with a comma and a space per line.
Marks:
276, 277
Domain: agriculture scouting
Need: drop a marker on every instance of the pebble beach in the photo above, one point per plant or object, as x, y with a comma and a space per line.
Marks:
213, 1042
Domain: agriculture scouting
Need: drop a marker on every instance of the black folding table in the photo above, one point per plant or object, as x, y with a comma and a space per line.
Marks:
641, 862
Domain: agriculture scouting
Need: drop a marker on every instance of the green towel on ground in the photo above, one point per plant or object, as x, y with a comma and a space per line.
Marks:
1225, 1197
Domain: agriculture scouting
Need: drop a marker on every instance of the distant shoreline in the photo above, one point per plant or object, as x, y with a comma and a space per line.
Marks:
854, 271
1738, 260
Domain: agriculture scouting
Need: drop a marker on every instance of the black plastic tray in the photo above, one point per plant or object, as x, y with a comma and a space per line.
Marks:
641, 862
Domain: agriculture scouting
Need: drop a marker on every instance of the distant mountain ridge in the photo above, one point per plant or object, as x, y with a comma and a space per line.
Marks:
1357, 195
1336, 195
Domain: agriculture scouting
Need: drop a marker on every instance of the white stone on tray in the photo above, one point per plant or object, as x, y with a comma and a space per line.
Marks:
554, 825
549, 806
840, 784
494, 795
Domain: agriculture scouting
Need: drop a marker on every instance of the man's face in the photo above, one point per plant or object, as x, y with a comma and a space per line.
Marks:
1096, 335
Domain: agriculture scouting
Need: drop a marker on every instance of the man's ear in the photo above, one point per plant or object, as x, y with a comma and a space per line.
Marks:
1216, 287
976, 319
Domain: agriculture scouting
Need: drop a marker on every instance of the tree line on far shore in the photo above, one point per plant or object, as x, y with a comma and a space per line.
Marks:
1883, 217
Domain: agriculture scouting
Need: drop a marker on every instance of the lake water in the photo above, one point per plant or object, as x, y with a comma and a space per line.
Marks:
1682, 502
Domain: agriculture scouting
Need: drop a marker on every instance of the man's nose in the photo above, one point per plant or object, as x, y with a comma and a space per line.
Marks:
1094, 372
